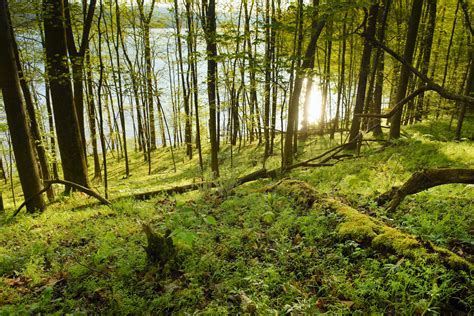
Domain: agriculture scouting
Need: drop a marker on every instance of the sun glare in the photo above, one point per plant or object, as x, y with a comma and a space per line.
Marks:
315, 101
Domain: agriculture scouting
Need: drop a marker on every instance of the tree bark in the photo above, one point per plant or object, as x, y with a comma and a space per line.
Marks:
317, 28
412, 33
424, 180
209, 25
76, 57
469, 91
33, 122
65, 115
363, 74
16, 115
427, 47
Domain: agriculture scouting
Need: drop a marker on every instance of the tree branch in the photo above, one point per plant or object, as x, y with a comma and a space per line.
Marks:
76, 186
426, 179
398, 106
430, 83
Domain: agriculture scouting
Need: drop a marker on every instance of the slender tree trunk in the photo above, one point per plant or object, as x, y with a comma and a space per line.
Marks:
317, 27
92, 117
33, 122
376, 106
16, 117
341, 82
193, 64
145, 24
469, 90
99, 98
253, 105
77, 61
363, 74
427, 47
326, 82
119, 38
186, 95
209, 25
268, 77
412, 33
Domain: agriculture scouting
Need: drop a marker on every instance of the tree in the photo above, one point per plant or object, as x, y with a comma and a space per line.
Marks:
76, 57
412, 33
16, 116
65, 115
209, 25
145, 19
469, 91
186, 94
363, 75
317, 27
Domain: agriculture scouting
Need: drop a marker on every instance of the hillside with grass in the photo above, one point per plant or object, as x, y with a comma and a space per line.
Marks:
314, 240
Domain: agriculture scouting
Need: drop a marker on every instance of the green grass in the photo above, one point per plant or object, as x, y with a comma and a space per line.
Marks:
245, 250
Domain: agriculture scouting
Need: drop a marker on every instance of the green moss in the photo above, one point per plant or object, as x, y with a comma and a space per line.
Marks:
356, 226
453, 260
301, 192
401, 243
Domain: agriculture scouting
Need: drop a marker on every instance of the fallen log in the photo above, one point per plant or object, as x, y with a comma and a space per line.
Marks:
424, 180
259, 174
366, 229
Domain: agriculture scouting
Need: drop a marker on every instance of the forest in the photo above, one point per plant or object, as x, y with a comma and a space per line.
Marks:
236, 157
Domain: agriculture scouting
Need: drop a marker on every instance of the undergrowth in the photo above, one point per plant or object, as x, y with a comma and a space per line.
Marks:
246, 250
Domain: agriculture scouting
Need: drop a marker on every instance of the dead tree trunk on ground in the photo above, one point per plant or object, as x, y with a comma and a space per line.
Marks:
424, 180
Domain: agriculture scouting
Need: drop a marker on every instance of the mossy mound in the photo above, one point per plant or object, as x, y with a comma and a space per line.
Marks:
363, 228
301, 192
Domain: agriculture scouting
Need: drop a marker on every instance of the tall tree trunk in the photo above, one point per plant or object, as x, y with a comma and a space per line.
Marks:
193, 64
427, 43
118, 39
379, 63
186, 94
92, 117
341, 82
99, 99
317, 27
77, 61
268, 76
412, 33
16, 116
65, 115
469, 90
145, 24
136, 95
325, 95
209, 25
363, 74
253, 104
33, 122
448, 53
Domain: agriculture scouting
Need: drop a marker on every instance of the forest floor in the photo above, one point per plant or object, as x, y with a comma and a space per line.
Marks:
253, 249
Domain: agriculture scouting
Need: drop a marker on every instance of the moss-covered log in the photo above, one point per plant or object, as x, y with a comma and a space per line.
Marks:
424, 180
371, 231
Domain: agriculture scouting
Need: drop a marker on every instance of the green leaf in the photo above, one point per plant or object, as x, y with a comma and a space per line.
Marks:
184, 236
210, 220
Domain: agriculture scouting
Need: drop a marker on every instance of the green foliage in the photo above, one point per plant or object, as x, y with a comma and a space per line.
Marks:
252, 250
